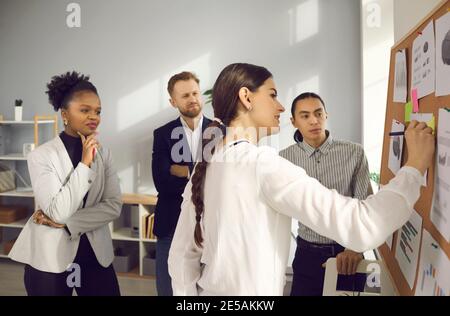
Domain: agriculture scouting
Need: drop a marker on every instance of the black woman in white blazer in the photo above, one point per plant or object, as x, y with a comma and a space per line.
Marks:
67, 244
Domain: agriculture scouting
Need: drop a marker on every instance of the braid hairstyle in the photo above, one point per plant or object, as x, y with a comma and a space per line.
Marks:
225, 102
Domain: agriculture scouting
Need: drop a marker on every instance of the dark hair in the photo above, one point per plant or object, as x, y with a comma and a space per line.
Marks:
182, 76
225, 102
298, 137
62, 88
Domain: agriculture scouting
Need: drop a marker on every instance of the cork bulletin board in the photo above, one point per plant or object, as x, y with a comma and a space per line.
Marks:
396, 111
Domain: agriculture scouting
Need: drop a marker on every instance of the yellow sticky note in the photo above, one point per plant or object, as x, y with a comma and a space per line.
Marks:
432, 124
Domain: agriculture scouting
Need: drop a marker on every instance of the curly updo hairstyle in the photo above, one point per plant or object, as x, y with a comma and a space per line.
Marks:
62, 88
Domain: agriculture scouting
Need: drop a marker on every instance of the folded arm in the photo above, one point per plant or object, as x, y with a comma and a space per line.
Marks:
58, 201
108, 209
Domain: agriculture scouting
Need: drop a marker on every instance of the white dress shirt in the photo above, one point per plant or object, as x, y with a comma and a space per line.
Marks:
249, 200
193, 136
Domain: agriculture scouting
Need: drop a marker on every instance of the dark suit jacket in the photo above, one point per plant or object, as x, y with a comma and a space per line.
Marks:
170, 188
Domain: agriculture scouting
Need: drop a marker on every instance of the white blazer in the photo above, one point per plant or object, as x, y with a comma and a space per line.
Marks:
59, 190
250, 195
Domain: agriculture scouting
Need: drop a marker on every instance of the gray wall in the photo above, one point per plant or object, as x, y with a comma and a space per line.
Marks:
131, 48
408, 13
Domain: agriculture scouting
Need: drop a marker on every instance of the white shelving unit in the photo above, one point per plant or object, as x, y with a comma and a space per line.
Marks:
38, 120
139, 205
19, 224
24, 192
12, 159
143, 204
148, 240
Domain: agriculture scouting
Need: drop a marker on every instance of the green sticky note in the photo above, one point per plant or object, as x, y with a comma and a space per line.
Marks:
408, 111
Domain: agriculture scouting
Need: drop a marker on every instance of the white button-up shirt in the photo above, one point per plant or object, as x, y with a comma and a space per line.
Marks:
248, 203
193, 136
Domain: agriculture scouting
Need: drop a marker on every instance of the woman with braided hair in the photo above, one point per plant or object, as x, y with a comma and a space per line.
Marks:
233, 234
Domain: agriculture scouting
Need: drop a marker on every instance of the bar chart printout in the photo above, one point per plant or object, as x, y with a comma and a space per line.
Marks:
434, 269
408, 246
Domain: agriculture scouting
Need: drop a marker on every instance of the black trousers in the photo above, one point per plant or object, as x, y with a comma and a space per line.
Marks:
95, 280
309, 275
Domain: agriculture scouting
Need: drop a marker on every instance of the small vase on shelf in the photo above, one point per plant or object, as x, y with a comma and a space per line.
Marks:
18, 110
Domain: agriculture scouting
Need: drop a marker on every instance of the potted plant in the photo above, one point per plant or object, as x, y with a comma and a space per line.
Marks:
208, 95
18, 110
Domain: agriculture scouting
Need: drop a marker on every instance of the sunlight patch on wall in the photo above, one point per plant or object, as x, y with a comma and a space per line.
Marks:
303, 21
